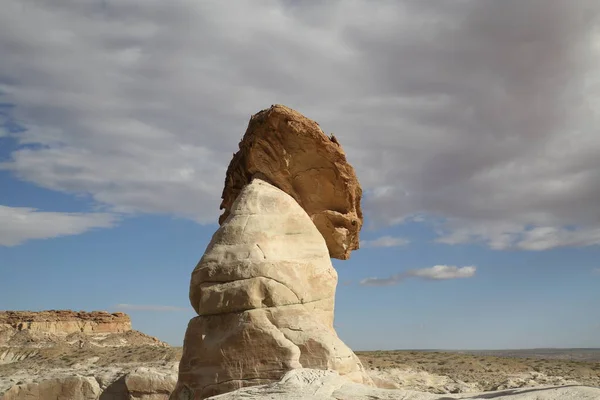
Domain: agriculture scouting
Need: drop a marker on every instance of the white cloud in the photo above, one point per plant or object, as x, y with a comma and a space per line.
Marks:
478, 115
437, 272
502, 236
146, 307
19, 224
392, 280
543, 238
443, 272
384, 241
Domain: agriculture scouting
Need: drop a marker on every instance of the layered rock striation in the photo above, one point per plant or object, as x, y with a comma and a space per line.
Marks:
264, 292
53, 355
66, 321
26, 329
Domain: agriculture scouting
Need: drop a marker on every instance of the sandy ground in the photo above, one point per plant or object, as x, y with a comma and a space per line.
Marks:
455, 372
428, 371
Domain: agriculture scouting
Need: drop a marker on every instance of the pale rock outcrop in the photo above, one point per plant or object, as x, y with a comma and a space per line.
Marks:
290, 151
66, 388
309, 384
422, 381
264, 292
87, 382
149, 384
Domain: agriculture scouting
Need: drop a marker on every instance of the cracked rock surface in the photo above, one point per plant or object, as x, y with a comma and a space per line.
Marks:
264, 292
290, 151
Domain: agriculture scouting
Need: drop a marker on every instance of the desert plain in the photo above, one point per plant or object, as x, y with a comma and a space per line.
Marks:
433, 371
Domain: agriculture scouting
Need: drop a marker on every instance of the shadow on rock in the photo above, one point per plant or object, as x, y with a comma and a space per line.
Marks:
116, 391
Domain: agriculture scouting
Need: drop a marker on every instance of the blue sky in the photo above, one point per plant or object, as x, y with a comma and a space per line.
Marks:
471, 127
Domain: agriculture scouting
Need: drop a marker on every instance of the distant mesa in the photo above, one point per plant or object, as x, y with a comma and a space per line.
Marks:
54, 327
66, 321
31, 338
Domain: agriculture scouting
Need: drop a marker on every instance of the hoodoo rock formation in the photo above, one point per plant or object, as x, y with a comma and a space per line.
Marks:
290, 151
265, 288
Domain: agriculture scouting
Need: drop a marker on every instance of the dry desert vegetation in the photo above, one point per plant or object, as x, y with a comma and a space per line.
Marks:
427, 371
443, 372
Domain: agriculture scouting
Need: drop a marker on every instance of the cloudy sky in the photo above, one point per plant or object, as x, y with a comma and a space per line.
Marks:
472, 124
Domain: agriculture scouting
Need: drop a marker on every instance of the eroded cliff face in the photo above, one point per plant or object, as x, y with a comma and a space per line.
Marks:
81, 355
65, 322
27, 329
